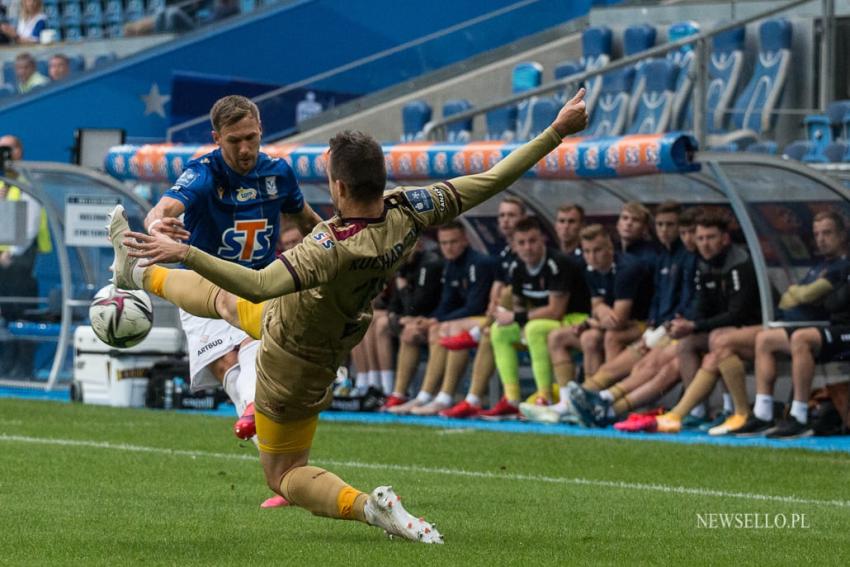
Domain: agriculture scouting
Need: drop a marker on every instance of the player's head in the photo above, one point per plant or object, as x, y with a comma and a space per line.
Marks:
237, 130
688, 227
452, 239
597, 247
568, 222
528, 241
25, 67
830, 232
712, 233
58, 67
290, 237
511, 210
356, 169
667, 222
633, 222
15, 143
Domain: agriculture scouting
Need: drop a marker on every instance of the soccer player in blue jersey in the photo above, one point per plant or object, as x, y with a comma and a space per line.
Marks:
231, 200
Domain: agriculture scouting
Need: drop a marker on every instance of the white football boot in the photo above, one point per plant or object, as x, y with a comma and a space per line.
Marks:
384, 510
125, 272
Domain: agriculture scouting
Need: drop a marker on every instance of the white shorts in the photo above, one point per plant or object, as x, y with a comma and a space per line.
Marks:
208, 340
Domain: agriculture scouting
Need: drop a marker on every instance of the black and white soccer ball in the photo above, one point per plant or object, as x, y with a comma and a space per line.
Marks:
121, 318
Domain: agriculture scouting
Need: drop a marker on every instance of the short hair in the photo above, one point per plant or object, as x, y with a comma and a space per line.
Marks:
357, 160
594, 231
836, 218
25, 57
714, 219
567, 207
689, 216
229, 110
16, 142
528, 223
669, 207
513, 200
638, 210
61, 56
452, 225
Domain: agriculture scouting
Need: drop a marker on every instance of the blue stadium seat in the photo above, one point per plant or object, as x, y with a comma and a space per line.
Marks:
104, 59
54, 18
526, 76
93, 14
414, 116
134, 10
72, 33
543, 113
501, 123
566, 69
7, 90
247, 6
655, 106
42, 66
769, 148
724, 71
94, 32
154, 5
77, 63
823, 129
115, 30
797, 150
72, 14
610, 115
683, 59
9, 73
596, 53
837, 152
636, 39
114, 13
458, 132
752, 115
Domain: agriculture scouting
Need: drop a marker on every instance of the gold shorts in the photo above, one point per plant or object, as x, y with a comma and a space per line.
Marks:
290, 437
250, 316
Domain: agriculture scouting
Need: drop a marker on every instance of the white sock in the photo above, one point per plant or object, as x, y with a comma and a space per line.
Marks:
728, 406
246, 383
800, 411
424, 397
138, 275
229, 383
561, 406
474, 400
387, 380
698, 412
475, 333
375, 378
763, 407
606, 395
361, 380
444, 399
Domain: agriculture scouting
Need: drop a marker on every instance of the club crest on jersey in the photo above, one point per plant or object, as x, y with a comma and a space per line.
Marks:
420, 200
271, 186
324, 240
245, 194
247, 240
186, 178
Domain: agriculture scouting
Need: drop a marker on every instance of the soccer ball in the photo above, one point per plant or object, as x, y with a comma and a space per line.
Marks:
121, 318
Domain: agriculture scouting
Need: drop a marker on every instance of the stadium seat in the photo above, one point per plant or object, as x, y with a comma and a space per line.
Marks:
134, 10
655, 105
724, 71
566, 69
94, 32
596, 53
104, 59
115, 30
542, 113
72, 14
458, 132
247, 6
837, 152
683, 59
526, 76
93, 14
7, 90
154, 5
797, 150
823, 129
72, 33
610, 115
752, 115
114, 13
414, 116
77, 63
636, 39
42, 66
502, 123
769, 148
9, 73
51, 12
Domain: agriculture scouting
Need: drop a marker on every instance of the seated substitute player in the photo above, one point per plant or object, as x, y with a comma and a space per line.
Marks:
545, 284
466, 280
310, 308
801, 302
568, 224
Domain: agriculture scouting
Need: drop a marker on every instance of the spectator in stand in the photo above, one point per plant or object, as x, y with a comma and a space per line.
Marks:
31, 21
467, 278
27, 74
568, 224
58, 67
183, 17
290, 237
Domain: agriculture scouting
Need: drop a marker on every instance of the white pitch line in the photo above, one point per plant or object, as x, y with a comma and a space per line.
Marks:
662, 488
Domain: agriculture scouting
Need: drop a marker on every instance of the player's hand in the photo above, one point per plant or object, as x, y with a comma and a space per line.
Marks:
155, 248
573, 116
789, 299
680, 327
171, 227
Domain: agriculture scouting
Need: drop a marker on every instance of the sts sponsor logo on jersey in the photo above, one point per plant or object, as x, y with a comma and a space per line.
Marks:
324, 240
248, 240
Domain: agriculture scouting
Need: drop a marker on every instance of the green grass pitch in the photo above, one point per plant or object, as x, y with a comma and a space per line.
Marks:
82, 485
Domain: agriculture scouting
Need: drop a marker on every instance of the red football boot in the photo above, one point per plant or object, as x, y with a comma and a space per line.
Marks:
245, 427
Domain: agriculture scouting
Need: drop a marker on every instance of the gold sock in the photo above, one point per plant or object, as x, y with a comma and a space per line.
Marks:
701, 386
564, 371
408, 359
183, 288
455, 365
735, 377
512, 392
617, 392
482, 367
599, 381
622, 406
435, 369
323, 493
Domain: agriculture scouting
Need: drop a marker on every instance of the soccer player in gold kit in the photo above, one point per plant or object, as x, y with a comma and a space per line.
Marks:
313, 306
